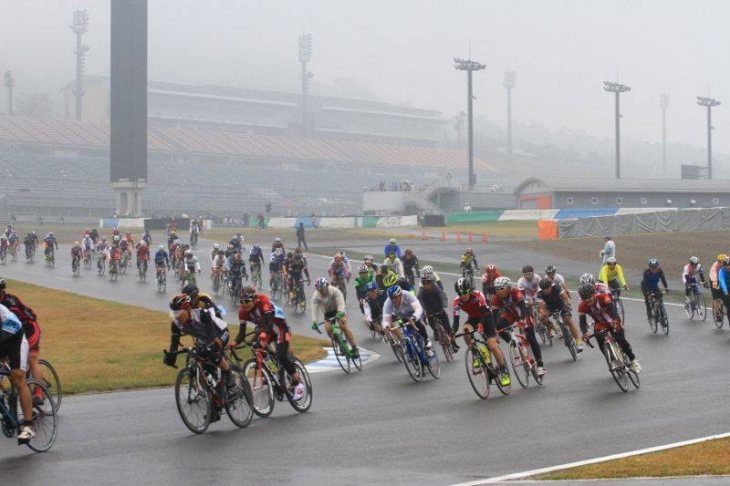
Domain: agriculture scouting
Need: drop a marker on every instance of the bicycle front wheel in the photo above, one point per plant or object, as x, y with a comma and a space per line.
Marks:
568, 340
433, 365
411, 360
194, 402
51, 381
664, 319
238, 405
615, 366
701, 306
477, 372
520, 366
262, 393
338, 347
303, 404
620, 309
654, 321
45, 418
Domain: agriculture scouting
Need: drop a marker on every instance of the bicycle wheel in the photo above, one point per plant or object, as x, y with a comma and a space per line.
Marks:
533, 367
397, 349
520, 367
688, 308
542, 332
433, 365
101, 268
568, 340
342, 356
654, 321
444, 340
75, 267
701, 306
51, 382
45, 418
357, 362
634, 377
615, 366
113, 275
238, 405
478, 375
194, 402
304, 403
123, 267
663, 318
620, 309
262, 394
720, 316
411, 360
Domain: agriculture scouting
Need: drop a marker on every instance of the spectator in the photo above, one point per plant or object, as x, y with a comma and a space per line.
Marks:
609, 249
246, 220
300, 237
313, 217
261, 220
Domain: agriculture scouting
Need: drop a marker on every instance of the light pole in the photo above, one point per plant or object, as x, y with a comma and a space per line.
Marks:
459, 124
617, 88
9, 82
510, 78
664, 104
79, 27
305, 55
469, 66
709, 103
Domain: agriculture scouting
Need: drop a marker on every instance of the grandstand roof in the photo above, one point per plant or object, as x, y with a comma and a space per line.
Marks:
626, 185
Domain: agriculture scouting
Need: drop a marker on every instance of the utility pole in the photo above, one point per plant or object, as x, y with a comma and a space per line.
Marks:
305, 55
510, 78
664, 104
709, 103
617, 88
9, 83
469, 66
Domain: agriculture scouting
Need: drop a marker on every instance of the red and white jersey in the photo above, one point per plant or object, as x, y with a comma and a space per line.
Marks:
529, 287
472, 306
511, 304
598, 311
602, 288
692, 272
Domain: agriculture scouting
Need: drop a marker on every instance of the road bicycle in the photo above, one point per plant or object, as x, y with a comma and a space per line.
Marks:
49, 380
113, 270
201, 394
76, 265
161, 279
520, 356
696, 304
142, 270
392, 340
618, 363
435, 320
415, 357
101, 264
541, 330
88, 256
298, 299
3, 254
44, 417
124, 263
218, 278
568, 340
468, 273
341, 283
234, 286
29, 252
342, 349
719, 316
480, 367
49, 256
658, 312
269, 382
256, 275
276, 286
193, 239
13, 252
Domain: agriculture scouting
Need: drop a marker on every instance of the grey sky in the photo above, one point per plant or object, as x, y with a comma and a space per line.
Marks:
402, 52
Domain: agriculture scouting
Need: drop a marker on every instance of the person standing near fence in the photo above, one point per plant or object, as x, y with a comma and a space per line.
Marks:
300, 237
609, 249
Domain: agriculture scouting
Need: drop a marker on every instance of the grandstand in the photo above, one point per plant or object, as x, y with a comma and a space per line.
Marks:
59, 167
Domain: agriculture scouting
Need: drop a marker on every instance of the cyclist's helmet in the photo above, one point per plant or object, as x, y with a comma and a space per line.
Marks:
721, 257
611, 260
426, 276
469, 251
161, 247
502, 283
391, 255
368, 258
427, 269
550, 269
297, 256
394, 291
277, 239
320, 283
586, 291
247, 293
116, 237
363, 269
290, 255
143, 243
180, 301
490, 268
462, 286
694, 260
587, 278
188, 253
726, 261
50, 233
390, 279
371, 286
409, 252
653, 263
254, 247
545, 283
528, 269
191, 290
216, 246
392, 241
298, 249
3, 284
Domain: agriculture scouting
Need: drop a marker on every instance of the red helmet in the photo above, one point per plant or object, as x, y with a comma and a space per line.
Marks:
490, 268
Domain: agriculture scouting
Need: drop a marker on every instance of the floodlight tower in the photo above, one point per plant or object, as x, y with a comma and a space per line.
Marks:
469, 66
617, 88
305, 55
79, 27
510, 78
664, 104
709, 103
9, 83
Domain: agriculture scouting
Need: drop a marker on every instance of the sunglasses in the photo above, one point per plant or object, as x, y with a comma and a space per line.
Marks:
425, 282
246, 301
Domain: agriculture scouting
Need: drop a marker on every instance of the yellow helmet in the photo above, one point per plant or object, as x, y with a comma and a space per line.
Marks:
721, 257
390, 279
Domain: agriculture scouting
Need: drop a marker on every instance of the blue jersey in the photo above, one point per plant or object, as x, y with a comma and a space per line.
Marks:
723, 278
651, 279
161, 257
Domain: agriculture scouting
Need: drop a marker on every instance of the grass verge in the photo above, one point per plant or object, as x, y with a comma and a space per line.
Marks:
98, 345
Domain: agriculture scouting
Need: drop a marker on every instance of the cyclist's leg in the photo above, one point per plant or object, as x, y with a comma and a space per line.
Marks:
490, 332
646, 291
726, 300
532, 339
620, 338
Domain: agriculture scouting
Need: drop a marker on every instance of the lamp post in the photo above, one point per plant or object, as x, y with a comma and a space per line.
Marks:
664, 104
709, 103
469, 66
79, 27
305, 55
9, 82
617, 88
459, 124
510, 78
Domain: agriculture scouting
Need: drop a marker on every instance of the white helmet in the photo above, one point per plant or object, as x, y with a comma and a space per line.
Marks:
216, 246
502, 282
587, 278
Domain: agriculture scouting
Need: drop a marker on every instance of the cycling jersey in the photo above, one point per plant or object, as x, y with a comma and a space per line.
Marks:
691, 272
512, 307
27, 317
409, 308
373, 307
266, 316
609, 274
554, 300
143, 252
650, 281
360, 284
162, 258
529, 287
602, 311
331, 301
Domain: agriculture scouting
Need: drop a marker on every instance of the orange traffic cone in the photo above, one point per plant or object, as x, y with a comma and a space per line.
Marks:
470, 237
484, 237
443, 236
423, 235
458, 236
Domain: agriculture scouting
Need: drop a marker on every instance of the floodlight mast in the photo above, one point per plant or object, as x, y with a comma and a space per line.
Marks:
305, 55
9, 83
664, 105
617, 88
709, 103
510, 79
469, 66
79, 27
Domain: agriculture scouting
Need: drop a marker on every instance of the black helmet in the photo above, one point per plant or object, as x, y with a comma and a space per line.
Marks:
528, 269
586, 291
551, 269
180, 301
247, 293
191, 290
546, 283
462, 286
3, 284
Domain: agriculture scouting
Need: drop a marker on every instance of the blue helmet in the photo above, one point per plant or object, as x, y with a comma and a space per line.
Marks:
394, 291
371, 286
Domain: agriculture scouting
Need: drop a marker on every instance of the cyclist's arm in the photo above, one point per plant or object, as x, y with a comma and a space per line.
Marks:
620, 273
722, 279
664, 280
603, 274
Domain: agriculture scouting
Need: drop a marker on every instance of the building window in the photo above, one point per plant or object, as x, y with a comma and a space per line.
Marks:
643, 200
669, 202
693, 202
716, 201
568, 200
619, 201
594, 200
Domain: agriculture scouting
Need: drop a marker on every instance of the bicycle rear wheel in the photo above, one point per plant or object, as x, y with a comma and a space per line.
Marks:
478, 375
542, 332
338, 347
238, 404
444, 340
719, 317
303, 404
194, 402
262, 393
45, 421
411, 360
568, 340
51, 381
520, 367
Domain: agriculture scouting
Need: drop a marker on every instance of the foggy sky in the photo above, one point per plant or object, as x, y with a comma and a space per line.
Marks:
402, 51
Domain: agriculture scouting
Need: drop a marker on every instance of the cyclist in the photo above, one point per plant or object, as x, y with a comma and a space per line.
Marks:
192, 265
392, 247
256, 258
125, 247
363, 278
276, 265
339, 272
209, 332
328, 303
372, 267
613, 275
473, 303
434, 302
114, 255
469, 265
237, 242
277, 243
600, 307
146, 237
298, 251
406, 307
552, 298
143, 255
4, 245
588, 278
162, 260
529, 284
723, 278
372, 304
394, 264
294, 269
410, 266
691, 271
717, 294
491, 273
218, 266
31, 329
50, 244
214, 252
511, 303
650, 284
552, 273
236, 267
14, 347
428, 269
271, 326
87, 245
31, 242
76, 253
